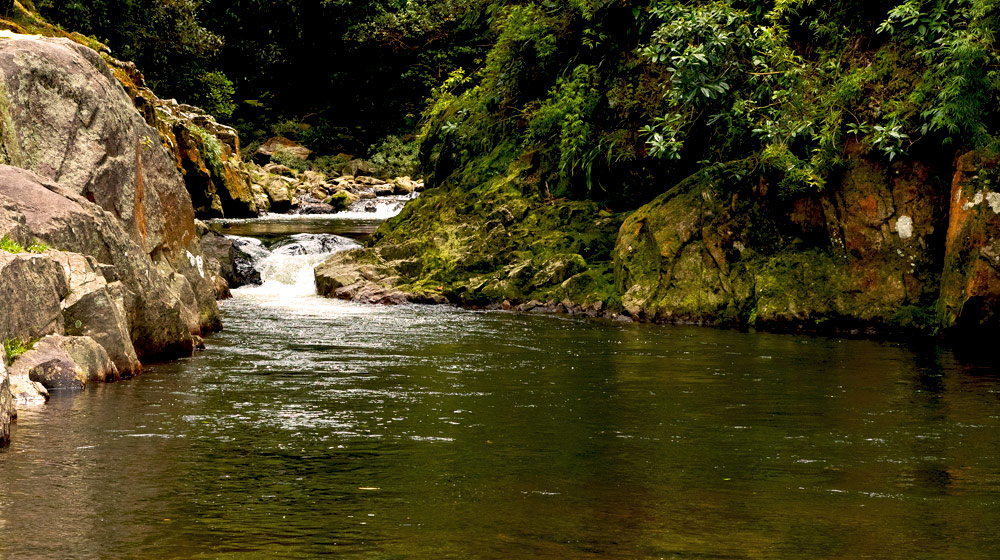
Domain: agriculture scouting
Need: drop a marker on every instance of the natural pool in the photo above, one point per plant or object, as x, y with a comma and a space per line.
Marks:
312, 427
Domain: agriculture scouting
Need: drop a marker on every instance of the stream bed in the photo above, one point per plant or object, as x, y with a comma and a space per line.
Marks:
314, 427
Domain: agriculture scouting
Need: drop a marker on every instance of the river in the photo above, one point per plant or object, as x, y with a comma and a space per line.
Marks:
314, 427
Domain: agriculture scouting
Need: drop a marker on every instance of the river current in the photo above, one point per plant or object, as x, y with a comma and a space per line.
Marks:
314, 427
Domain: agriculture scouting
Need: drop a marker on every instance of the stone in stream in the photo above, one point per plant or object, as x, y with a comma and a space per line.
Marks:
59, 362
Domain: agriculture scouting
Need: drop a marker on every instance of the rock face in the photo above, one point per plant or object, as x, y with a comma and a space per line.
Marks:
63, 219
856, 256
66, 118
889, 247
970, 282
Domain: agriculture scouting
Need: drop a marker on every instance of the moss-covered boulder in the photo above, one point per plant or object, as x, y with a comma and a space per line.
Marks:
494, 242
718, 249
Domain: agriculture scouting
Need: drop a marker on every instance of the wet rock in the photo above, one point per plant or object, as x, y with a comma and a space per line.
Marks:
383, 190
247, 252
64, 362
7, 412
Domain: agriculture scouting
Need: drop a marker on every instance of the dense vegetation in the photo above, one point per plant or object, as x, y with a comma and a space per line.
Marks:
608, 99
335, 74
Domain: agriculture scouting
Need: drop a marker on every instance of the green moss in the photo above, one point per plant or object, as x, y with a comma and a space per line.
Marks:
13, 347
339, 201
212, 153
11, 246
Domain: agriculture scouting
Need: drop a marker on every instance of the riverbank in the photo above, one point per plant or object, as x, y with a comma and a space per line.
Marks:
899, 249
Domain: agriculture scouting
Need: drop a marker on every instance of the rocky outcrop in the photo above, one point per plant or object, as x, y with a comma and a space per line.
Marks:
718, 250
63, 219
204, 151
482, 247
208, 155
895, 247
364, 277
315, 192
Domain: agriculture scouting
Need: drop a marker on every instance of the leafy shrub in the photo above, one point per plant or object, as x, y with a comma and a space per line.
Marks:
216, 96
11, 246
394, 157
289, 159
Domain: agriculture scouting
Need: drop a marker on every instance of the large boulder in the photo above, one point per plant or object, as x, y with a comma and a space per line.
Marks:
718, 249
31, 288
67, 118
98, 309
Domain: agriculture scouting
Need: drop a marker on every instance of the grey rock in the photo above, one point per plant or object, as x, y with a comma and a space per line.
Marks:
67, 221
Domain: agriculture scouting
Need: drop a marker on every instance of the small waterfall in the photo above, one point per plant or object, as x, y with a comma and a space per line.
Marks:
287, 268
381, 208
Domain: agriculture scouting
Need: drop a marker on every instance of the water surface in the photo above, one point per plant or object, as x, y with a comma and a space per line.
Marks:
313, 427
